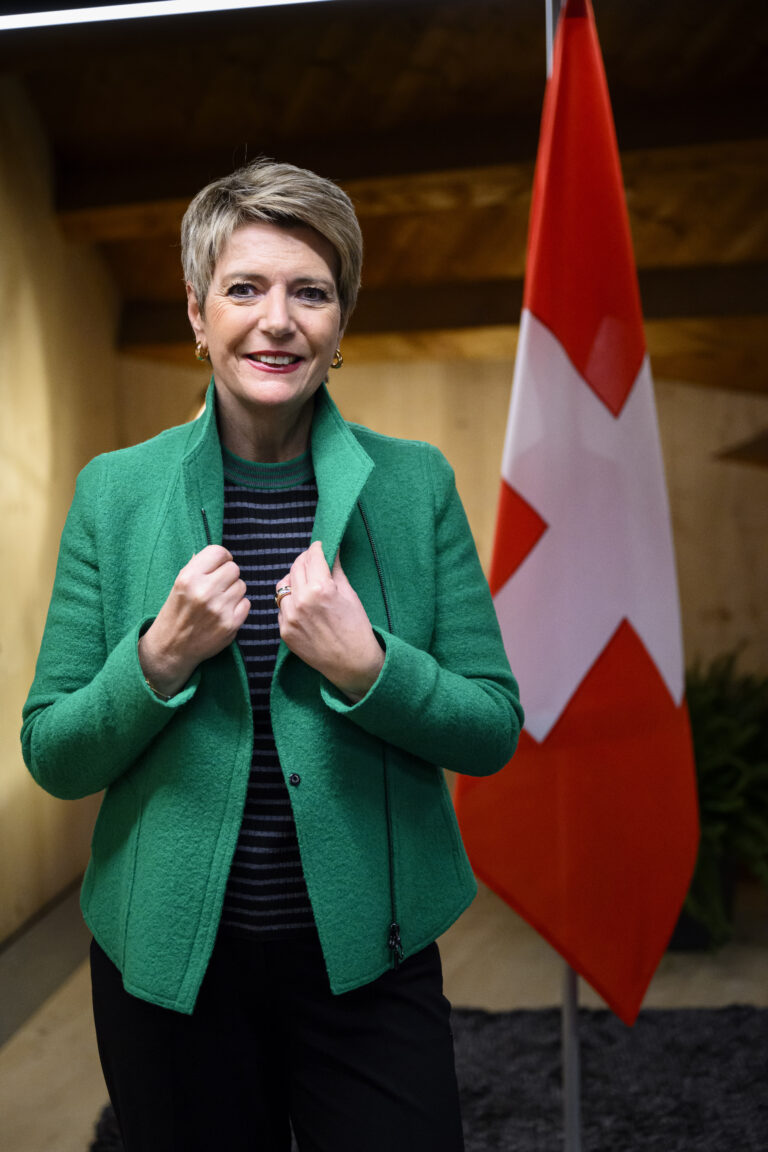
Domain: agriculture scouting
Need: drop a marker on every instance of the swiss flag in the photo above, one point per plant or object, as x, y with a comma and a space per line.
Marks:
591, 833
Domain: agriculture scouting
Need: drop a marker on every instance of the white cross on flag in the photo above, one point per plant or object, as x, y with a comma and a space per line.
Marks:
591, 832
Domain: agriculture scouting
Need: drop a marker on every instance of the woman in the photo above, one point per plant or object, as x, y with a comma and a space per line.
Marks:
276, 851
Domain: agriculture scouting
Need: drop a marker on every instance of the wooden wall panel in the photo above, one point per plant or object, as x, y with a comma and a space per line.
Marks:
57, 397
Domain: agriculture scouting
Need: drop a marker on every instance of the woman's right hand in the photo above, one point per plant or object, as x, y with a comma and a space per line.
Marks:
203, 613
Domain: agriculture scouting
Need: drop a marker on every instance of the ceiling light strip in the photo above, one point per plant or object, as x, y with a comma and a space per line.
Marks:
134, 11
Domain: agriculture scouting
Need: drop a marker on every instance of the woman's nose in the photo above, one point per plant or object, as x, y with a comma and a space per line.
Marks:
275, 315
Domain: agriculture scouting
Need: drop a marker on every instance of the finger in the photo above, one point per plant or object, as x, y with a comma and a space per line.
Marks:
210, 558
204, 588
239, 591
338, 573
317, 570
221, 579
227, 596
241, 612
298, 576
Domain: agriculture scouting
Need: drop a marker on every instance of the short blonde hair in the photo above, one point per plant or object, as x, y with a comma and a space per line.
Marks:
277, 194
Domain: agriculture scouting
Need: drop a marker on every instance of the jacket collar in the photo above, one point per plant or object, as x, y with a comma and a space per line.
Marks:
203, 476
341, 466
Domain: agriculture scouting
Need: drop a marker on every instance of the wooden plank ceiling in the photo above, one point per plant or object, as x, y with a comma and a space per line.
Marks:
427, 111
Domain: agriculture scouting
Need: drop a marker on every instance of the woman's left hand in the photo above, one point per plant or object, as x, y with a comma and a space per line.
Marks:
324, 623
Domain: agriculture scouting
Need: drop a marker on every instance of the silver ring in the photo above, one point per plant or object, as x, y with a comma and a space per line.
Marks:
283, 590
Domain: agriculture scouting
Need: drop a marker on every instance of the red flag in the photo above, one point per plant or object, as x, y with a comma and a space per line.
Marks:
591, 833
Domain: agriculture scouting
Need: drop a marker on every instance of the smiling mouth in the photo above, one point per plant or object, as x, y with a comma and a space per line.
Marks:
273, 359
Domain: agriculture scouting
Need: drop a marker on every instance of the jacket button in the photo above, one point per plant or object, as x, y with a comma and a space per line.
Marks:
294, 778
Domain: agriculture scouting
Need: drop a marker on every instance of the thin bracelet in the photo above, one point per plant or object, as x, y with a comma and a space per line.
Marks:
160, 695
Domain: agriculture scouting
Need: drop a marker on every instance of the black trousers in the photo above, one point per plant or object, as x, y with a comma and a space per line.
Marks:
269, 1047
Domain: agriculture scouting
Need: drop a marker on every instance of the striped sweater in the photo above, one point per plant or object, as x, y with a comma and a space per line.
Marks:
269, 510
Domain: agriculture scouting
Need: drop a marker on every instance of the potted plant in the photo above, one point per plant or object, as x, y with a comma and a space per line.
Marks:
729, 724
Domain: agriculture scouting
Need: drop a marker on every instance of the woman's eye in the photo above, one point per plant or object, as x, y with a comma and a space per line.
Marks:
241, 290
313, 294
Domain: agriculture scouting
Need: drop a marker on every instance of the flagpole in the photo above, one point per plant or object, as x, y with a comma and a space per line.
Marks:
571, 1074
571, 1061
552, 10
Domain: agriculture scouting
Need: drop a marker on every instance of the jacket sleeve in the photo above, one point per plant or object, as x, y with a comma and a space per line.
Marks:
456, 705
89, 712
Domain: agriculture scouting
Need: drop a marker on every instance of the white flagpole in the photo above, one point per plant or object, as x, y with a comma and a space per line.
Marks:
552, 11
571, 1061
571, 1074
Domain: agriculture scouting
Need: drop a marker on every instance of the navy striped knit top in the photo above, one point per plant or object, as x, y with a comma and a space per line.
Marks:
269, 510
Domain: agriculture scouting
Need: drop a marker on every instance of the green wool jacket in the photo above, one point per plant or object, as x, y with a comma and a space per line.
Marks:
377, 833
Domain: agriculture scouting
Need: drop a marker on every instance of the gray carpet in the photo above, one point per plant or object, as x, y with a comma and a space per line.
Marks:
679, 1081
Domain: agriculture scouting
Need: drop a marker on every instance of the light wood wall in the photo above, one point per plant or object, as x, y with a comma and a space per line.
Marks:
57, 401
719, 519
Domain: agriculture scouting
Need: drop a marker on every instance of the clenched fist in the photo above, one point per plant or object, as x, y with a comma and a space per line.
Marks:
324, 622
203, 613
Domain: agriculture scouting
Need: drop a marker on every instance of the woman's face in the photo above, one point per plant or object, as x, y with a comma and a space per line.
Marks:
272, 321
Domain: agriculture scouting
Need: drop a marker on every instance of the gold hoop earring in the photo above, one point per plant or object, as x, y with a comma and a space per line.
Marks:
338, 359
201, 350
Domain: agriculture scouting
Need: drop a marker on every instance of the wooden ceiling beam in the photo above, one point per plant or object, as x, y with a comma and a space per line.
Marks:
391, 197
728, 353
666, 294
703, 204
397, 154
704, 290
688, 206
753, 451
485, 141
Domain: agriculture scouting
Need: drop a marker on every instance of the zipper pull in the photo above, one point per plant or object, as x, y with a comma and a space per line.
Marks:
394, 943
205, 525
